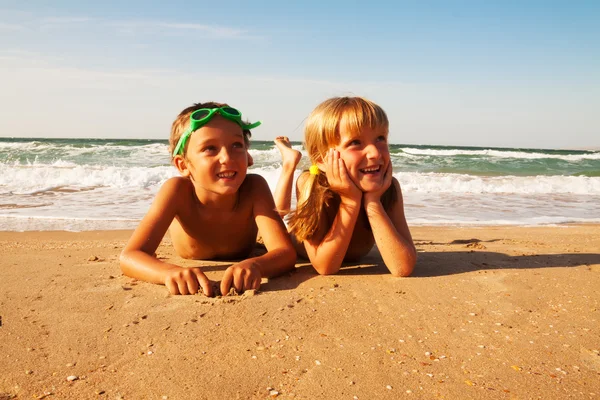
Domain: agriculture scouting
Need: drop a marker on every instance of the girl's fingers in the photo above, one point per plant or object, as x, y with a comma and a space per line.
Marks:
337, 166
388, 176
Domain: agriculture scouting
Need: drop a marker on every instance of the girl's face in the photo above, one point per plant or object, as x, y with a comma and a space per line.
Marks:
217, 157
366, 155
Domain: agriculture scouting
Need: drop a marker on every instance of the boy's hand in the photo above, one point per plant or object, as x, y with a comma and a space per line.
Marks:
387, 182
242, 276
187, 281
338, 178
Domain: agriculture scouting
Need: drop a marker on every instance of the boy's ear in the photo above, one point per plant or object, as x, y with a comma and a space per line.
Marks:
181, 165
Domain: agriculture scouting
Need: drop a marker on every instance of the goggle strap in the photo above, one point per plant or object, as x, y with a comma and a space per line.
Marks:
251, 126
182, 141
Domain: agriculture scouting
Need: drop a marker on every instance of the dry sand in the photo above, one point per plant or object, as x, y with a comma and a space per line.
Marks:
514, 315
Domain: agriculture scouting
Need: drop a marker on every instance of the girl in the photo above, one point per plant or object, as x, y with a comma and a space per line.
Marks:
348, 200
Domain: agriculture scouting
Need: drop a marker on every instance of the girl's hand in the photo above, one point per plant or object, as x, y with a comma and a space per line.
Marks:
387, 182
338, 178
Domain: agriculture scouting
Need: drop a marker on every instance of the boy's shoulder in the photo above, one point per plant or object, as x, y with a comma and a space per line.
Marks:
178, 183
254, 182
254, 190
176, 187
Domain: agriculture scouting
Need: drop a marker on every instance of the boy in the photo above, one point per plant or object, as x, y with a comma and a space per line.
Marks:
214, 210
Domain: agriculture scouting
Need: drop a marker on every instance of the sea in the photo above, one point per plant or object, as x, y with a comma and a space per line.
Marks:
108, 184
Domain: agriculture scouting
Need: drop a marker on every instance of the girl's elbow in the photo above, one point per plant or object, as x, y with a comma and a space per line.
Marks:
125, 262
326, 269
291, 258
403, 273
407, 268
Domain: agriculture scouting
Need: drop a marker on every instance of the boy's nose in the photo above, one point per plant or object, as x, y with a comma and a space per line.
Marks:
224, 156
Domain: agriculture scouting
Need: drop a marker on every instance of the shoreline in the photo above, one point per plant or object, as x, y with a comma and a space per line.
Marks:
411, 226
490, 312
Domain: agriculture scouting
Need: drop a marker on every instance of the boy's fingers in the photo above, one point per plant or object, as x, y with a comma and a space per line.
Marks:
192, 284
238, 283
226, 281
249, 282
256, 283
182, 285
204, 283
172, 286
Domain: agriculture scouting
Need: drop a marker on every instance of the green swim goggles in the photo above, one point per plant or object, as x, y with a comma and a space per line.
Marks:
200, 117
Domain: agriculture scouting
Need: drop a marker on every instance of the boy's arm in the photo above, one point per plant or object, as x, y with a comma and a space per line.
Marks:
391, 234
137, 258
280, 256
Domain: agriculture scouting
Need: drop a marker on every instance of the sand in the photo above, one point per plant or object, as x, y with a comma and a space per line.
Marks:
514, 314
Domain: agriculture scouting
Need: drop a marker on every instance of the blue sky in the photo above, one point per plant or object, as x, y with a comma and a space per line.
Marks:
480, 73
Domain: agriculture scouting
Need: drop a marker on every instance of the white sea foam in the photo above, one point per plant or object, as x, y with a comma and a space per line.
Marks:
23, 179
499, 154
29, 179
458, 183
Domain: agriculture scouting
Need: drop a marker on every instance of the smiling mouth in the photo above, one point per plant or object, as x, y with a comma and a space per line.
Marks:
371, 170
227, 175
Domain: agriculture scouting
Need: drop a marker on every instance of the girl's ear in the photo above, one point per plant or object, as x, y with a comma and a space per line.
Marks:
181, 164
321, 163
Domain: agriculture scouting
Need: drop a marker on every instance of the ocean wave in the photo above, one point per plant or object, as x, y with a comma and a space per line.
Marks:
62, 176
40, 153
457, 183
409, 151
43, 178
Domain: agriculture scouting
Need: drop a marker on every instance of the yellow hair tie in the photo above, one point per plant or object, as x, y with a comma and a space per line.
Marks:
314, 170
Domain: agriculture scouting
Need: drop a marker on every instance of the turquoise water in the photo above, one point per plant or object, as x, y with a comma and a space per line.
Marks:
480, 161
83, 184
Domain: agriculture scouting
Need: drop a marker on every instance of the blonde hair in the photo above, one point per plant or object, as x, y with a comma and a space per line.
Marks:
182, 122
322, 132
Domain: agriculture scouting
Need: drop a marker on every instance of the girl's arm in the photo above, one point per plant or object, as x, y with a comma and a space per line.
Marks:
137, 258
327, 248
391, 231
280, 256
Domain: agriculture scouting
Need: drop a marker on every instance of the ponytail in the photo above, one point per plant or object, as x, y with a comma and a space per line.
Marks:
313, 194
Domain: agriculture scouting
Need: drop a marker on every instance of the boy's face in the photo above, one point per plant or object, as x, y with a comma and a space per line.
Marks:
366, 155
217, 157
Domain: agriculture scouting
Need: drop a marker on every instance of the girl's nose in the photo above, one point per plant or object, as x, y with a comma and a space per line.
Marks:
373, 152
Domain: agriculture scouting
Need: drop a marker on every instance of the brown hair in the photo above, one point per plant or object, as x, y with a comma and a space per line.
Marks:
322, 131
182, 122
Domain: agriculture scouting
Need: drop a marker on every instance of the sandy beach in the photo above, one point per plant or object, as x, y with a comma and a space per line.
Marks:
493, 312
